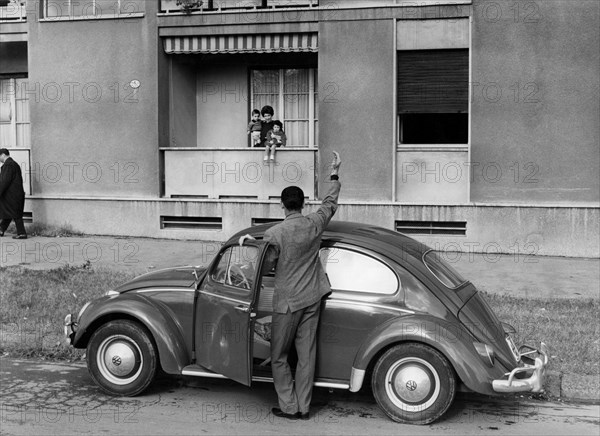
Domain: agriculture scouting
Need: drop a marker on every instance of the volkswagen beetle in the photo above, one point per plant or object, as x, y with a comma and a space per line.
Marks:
398, 317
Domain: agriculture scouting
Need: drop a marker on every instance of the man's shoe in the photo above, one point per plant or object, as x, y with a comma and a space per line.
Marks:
304, 416
20, 237
281, 414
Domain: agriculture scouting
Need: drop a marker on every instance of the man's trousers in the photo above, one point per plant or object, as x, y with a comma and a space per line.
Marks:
18, 223
300, 328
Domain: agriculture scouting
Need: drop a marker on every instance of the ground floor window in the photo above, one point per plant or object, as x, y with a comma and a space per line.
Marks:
292, 92
15, 130
433, 96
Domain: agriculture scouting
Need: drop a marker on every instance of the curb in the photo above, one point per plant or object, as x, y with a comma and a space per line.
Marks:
573, 387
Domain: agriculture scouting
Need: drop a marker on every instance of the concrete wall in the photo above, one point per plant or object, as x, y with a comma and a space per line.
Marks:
356, 104
535, 111
92, 133
182, 106
524, 230
222, 102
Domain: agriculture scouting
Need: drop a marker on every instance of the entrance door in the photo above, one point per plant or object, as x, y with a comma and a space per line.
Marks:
225, 311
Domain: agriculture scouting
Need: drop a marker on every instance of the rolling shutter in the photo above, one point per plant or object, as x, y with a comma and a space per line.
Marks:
433, 81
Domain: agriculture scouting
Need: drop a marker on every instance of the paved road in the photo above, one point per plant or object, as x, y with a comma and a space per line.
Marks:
59, 398
517, 275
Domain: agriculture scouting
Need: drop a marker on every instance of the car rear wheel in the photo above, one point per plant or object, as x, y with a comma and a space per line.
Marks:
122, 358
413, 383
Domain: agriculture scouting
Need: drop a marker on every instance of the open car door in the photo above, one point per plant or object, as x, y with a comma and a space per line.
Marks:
225, 311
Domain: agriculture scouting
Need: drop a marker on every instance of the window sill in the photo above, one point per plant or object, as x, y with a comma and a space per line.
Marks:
433, 147
286, 148
105, 17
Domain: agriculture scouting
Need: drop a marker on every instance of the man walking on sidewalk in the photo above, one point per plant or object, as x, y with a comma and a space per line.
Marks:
12, 195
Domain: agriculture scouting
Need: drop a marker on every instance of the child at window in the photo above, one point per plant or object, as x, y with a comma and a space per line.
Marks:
275, 138
254, 128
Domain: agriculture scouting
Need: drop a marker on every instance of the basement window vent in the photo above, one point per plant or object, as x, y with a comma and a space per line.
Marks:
432, 227
191, 223
28, 217
259, 221
189, 196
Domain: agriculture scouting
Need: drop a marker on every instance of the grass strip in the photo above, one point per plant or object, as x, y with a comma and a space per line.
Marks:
33, 305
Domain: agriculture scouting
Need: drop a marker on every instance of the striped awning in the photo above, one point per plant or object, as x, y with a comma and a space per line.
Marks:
265, 43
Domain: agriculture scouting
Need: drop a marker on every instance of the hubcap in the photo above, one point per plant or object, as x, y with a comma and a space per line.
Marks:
412, 384
119, 359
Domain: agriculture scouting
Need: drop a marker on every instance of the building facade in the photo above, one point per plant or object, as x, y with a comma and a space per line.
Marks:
472, 125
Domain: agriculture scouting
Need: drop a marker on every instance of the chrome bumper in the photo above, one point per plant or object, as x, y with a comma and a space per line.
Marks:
70, 327
533, 383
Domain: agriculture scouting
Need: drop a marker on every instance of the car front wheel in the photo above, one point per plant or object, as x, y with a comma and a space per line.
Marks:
122, 358
414, 383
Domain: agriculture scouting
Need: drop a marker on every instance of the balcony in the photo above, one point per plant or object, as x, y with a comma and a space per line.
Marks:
13, 11
237, 173
219, 6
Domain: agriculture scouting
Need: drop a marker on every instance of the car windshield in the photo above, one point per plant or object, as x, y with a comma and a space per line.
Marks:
442, 271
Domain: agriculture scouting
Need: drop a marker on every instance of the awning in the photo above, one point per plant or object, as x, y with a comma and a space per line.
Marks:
265, 43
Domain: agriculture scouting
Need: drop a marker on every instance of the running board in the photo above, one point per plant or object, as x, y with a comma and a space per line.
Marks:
199, 371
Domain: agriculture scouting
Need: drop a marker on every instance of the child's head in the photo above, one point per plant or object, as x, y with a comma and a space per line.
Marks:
277, 126
255, 115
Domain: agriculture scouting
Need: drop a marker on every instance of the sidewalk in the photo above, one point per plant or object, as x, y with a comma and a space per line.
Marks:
517, 275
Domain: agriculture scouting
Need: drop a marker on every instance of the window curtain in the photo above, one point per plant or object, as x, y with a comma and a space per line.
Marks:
288, 92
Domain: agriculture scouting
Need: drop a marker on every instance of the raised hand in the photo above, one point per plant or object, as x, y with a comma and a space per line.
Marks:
335, 163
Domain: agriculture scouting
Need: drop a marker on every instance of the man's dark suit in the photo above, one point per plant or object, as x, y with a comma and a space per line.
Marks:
300, 283
12, 196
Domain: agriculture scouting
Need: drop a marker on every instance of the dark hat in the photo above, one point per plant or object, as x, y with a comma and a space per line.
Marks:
4, 151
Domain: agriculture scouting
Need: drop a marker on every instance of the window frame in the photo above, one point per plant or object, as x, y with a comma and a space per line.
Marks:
228, 251
313, 100
15, 121
400, 124
371, 255
116, 14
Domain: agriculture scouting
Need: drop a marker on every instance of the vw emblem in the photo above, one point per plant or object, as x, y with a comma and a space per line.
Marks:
116, 360
411, 385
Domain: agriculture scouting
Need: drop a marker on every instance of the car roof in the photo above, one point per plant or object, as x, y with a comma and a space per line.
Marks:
361, 234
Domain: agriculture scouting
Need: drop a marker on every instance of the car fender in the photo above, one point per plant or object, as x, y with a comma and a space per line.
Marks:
449, 338
165, 331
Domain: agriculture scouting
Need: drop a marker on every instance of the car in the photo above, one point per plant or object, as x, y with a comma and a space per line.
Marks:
399, 319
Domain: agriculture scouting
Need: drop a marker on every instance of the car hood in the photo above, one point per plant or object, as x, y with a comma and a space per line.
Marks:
170, 277
479, 318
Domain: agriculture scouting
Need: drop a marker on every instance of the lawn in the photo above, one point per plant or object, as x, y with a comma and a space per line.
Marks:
34, 303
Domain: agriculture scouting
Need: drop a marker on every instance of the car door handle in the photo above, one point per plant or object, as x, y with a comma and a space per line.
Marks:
244, 309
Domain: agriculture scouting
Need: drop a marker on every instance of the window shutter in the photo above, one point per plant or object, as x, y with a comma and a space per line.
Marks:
433, 81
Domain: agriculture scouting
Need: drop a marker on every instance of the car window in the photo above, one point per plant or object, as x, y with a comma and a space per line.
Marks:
442, 271
237, 267
218, 273
350, 270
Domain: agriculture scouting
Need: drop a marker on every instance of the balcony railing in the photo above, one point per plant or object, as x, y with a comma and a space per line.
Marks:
13, 11
211, 6
237, 173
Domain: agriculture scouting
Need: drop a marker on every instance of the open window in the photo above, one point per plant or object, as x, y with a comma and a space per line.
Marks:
433, 96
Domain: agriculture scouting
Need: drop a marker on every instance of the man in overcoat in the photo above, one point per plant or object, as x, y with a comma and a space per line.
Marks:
12, 195
300, 284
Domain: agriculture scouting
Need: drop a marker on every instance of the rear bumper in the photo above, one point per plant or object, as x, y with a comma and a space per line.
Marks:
533, 383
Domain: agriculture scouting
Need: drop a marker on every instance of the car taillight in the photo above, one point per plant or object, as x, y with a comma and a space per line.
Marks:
486, 352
